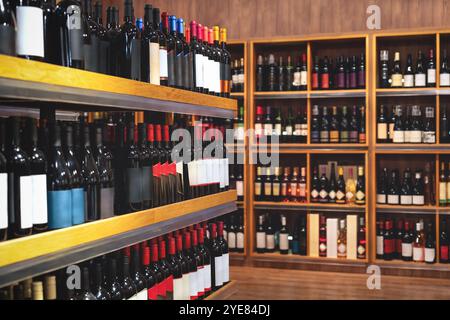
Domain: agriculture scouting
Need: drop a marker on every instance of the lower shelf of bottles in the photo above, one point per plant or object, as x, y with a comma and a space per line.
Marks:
306, 259
225, 292
51, 250
263, 205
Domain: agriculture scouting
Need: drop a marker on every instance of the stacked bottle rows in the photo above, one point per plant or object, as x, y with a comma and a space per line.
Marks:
187, 264
60, 174
160, 49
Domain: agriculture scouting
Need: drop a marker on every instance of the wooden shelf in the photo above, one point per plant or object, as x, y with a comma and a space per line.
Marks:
54, 249
299, 258
406, 209
410, 265
31, 80
286, 147
281, 94
354, 93
262, 205
406, 92
412, 147
237, 94
225, 292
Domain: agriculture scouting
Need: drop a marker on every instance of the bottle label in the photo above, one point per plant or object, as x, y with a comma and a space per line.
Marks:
420, 80
241, 78
303, 78
179, 60
106, 203
399, 136
163, 64
258, 129
380, 245
325, 81
429, 137
240, 240
314, 194
349, 195
146, 174
240, 188
448, 191
270, 242
186, 286
360, 196
340, 195
297, 79
218, 271
304, 130
178, 289
231, 240
39, 199
418, 200
134, 185
207, 277
381, 198
444, 253
8, 43
418, 254
445, 79
284, 241
268, 189
294, 189
361, 79
277, 130
415, 136
30, 31
393, 199
78, 216
276, 189
75, 32
90, 50
430, 255
407, 250
396, 80
334, 136
431, 76
26, 207
235, 79
353, 83
406, 199
133, 297
226, 268
315, 81
261, 240
361, 251
389, 246
382, 131
257, 188
208, 73
302, 192
188, 72
201, 281
4, 200
342, 249
408, 81
142, 295
152, 293
59, 216
154, 63
323, 194
171, 67
391, 131
442, 192
323, 248
199, 71
268, 129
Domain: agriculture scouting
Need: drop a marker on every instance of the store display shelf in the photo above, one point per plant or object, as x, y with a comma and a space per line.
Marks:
260, 95
410, 265
407, 92
352, 93
406, 209
237, 95
315, 94
322, 207
284, 147
37, 81
411, 147
291, 258
225, 292
55, 249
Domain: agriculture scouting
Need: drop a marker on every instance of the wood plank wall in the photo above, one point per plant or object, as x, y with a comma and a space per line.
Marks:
247, 19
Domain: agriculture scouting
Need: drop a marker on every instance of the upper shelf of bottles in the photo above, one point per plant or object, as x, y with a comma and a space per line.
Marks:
37, 81
51, 250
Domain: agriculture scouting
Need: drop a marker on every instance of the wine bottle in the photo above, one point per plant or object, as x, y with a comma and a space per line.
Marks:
104, 162
30, 29
272, 78
360, 195
407, 243
396, 76
362, 242
409, 73
362, 72
150, 63
419, 245
322, 236
260, 79
137, 276
19, 184
325, 75
334, 126
380, 240
103, 44
445, 71
284, 237
430, 245
166, 288
315, 185
342, 240
91, 185
431, 70
444, 242
382, 126
113, 38
133, 177
388, 241
406, 196
418, 194
99, 291
90, 38
129, 290
382, 187
393, 197
384, 79
169, 28
181, 68
7, 29
325, 127
114, 285
3, 184
130, 46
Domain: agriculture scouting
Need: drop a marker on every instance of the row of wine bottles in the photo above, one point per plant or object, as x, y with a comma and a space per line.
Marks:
187, 264
234, 231
269, 123
416, 189
407, 240
416, 125
159, 49
423, 75
444, 185
238, 75
323, 236
62, 174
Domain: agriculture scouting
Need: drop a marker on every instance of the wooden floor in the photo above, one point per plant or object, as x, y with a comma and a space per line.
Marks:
275, 284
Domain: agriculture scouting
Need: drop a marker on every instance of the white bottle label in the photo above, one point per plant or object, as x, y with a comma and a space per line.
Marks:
30, 31
430, 255
163, 66
431, 76
226, 268
284, 241
218, 90
380, 245
133, 297
39, 199
406, 200
142, 295
258, 129
207, 275
193, 290
399, 136
218, 269
303, 78
393, 199
270, 241
407, 136
445, 79
26, 206
382, 131
261, 240
178, 289
155, 64
199, 70
418, 254
240, 240
200, 280
231, 240
381, 198
241, 78
407, 250
3, 200
420, 80
418, 200
429, 137
415, 136
409, 81
268, 129
443, 192
240, 188
186, 287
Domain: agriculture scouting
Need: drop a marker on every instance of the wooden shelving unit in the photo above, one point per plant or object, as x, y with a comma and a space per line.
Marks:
225, 292
371, 149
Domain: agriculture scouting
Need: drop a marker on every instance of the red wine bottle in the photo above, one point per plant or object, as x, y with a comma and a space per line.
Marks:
176, 284
155, 268
165, 268
136, 274
192, 263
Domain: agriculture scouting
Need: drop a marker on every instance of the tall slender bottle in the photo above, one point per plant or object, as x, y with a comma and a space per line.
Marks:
3, 185
226, 65
30, 29
168, 24
89, 171
104, 161
133, 177
130, 47
150, 49
103, 46
8, 28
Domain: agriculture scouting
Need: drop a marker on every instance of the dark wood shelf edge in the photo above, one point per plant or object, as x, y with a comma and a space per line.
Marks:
225, 292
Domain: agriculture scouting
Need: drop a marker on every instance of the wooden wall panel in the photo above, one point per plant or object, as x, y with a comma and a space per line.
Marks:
247, 19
